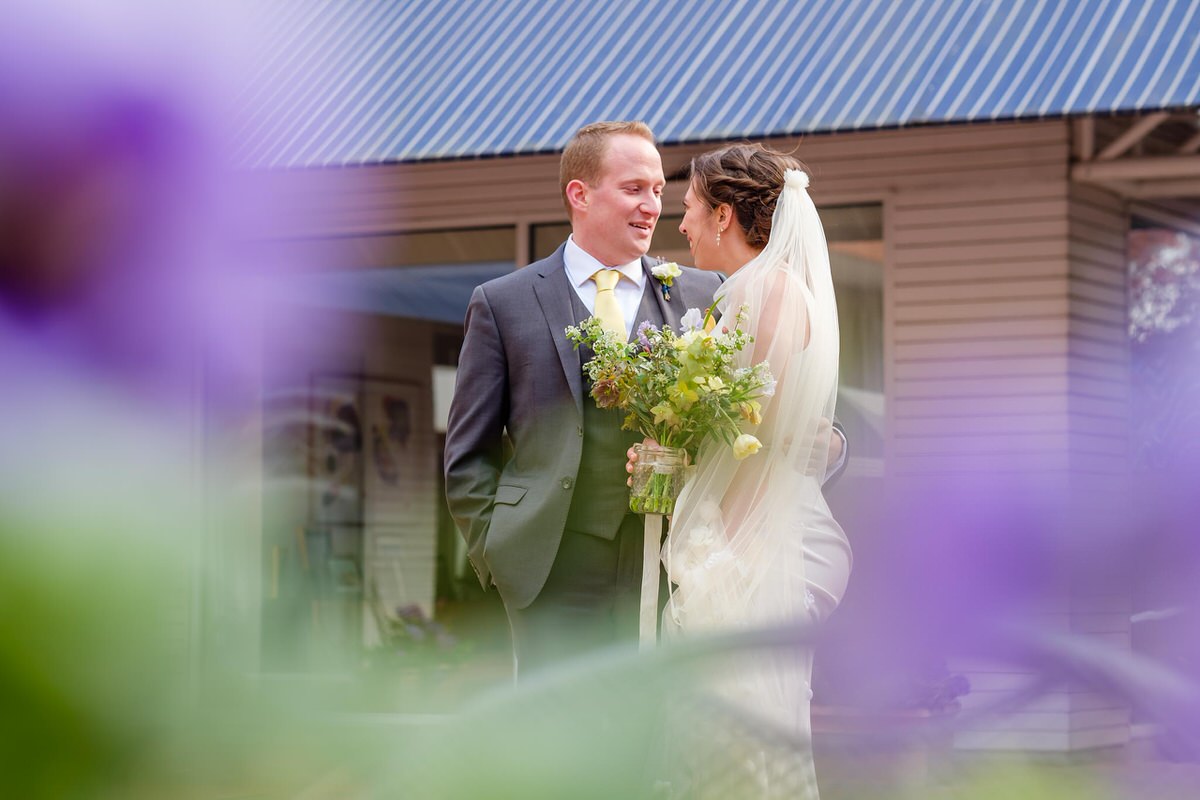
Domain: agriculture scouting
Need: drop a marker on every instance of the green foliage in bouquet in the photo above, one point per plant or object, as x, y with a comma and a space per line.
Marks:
678, 388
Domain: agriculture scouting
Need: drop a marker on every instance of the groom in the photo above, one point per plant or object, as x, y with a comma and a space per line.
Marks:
535, 472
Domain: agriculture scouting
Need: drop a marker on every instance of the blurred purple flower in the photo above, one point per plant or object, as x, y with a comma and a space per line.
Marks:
123, 226
642, 330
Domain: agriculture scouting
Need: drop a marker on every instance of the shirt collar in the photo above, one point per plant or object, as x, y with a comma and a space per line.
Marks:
581, 265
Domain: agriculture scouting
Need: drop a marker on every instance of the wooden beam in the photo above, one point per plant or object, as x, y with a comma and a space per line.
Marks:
524, 232
1121, 188
1137, 131
1148, 190
1137, 169
1191, 145
1178, 188
1085, 138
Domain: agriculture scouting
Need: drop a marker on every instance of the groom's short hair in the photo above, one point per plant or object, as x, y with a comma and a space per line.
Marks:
583, 157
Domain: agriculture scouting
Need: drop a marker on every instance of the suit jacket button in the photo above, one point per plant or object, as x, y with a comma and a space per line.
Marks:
579, 430
567, 483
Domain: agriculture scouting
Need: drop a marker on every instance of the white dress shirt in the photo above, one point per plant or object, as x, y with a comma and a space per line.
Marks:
581, 265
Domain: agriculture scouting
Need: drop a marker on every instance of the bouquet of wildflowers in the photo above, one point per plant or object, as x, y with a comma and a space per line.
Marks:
677, 388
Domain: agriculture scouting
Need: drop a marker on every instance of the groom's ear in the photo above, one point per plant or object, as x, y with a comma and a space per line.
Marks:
577, 195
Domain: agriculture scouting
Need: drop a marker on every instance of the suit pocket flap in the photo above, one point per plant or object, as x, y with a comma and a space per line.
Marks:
510, 495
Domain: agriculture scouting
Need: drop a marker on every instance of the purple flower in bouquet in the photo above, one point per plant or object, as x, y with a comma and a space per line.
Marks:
643, 329
606, 393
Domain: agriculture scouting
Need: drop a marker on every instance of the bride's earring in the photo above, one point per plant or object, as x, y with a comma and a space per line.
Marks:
718, 237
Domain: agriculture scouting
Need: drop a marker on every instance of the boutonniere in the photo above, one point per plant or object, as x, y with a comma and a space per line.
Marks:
666, 273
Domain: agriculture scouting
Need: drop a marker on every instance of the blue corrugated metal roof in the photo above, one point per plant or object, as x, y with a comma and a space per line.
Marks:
365, 81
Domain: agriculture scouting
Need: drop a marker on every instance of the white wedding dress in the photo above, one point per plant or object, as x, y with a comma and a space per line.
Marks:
752, 542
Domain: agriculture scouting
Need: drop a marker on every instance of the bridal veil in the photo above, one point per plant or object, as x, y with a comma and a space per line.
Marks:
737, 538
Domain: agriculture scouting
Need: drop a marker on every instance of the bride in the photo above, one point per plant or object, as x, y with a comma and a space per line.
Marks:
752, 542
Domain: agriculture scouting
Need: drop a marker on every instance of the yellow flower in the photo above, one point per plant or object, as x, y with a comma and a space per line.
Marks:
687, 340
745, 445
692, 346
664, 413
751, 412
682, 395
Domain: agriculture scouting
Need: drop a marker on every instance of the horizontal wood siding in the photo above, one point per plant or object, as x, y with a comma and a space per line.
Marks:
979, 327
1100, 399
1098, 314
1006, 315
498, 191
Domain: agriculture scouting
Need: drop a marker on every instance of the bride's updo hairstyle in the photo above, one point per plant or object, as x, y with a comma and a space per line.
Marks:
749, 178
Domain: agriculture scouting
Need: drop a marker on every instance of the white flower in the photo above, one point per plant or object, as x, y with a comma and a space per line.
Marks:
718, 558
688, 339
745, 445
667, 272
692, 320
709, 511
698, 546
704, 549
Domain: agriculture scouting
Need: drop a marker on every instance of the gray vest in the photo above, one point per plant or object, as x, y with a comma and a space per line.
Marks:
601, 498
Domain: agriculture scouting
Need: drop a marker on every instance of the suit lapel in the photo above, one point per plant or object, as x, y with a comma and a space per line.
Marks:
553, 292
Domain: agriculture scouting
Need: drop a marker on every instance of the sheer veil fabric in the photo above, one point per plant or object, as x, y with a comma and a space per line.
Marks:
752, 542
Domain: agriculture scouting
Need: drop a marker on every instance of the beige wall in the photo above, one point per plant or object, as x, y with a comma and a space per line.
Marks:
847, 168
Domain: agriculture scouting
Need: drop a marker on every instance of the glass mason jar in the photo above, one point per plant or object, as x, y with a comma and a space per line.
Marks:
658, 476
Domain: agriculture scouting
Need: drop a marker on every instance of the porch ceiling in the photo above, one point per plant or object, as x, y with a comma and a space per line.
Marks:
1142, 161
370, 81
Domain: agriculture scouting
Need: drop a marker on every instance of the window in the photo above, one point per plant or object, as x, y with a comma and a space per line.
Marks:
855, 236
417, 248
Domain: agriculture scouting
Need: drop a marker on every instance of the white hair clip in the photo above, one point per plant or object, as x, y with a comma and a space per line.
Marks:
795, 178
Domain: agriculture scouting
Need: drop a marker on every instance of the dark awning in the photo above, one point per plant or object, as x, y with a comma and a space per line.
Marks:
437, 293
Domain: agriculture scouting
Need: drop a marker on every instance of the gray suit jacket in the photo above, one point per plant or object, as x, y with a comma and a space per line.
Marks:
518, 374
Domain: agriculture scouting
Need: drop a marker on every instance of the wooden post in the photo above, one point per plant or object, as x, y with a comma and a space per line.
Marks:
650, 556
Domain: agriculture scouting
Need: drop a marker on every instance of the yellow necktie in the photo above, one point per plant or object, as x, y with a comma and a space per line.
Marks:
608, 311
